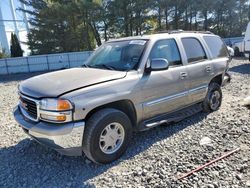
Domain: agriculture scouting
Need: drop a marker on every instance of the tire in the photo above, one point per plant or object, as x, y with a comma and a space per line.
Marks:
213, 98
117, 128
236, 52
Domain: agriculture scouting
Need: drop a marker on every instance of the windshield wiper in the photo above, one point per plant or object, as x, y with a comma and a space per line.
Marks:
85, 65
109, 67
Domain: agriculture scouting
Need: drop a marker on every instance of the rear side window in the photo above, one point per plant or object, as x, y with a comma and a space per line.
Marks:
216, 46
194, 49
168, 50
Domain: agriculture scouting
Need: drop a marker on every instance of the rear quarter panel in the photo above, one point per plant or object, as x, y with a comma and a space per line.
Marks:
220, 66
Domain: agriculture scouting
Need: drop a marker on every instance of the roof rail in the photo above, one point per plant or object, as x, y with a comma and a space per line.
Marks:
182, 31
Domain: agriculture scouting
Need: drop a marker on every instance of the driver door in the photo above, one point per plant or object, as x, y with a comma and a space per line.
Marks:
165, 91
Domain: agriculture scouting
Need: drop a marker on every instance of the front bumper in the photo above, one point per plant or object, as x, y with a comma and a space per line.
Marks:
64, 138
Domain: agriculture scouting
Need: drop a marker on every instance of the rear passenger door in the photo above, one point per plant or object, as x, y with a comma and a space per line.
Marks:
199, 67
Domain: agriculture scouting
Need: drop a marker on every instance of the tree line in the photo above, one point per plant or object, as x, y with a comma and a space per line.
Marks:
77, 25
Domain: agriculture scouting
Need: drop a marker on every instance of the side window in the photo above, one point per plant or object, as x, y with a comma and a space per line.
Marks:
216, 46
194, 49
168, 50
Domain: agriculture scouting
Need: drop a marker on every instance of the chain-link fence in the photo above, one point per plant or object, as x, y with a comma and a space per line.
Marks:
43, 62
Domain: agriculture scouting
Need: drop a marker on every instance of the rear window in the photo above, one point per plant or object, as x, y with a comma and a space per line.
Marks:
216, 46
194, 49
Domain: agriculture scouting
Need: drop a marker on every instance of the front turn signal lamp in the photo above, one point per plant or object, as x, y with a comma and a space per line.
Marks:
63, 105
55, 117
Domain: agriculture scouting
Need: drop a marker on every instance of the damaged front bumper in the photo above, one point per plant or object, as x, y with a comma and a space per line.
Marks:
64, 138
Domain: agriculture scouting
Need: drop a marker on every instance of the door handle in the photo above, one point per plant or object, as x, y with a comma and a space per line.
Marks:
183, 75
208, 69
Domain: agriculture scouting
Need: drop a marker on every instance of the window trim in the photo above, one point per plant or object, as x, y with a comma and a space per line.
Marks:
198, 61
171, 66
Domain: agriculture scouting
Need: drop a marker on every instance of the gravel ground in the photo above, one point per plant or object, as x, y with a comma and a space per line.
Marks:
155, 158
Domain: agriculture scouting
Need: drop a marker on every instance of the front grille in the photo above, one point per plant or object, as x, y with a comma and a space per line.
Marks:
29, 106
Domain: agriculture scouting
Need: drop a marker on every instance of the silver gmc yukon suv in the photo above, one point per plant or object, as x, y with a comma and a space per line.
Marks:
129, 84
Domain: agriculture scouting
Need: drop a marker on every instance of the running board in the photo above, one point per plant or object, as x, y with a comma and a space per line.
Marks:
171, 117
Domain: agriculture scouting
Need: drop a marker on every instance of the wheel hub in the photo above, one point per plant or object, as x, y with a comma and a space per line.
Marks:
111, 138
215, 100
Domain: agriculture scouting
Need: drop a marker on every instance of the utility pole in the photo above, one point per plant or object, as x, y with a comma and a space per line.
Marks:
25, 17
3, 37
13, 12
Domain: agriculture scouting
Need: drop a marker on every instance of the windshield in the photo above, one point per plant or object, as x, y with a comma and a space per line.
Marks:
121, 56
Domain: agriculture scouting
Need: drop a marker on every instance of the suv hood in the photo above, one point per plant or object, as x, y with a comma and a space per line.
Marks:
57, 83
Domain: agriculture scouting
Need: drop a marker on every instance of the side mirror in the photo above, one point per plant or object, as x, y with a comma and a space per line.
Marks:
159, 64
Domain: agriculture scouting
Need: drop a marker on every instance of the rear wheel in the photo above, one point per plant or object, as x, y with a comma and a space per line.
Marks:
236, 52
213, 99
107, 135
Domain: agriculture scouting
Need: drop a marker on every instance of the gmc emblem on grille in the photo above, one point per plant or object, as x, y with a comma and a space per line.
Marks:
24, 105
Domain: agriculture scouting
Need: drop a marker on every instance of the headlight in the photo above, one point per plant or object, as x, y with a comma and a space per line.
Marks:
55, 105
56, 110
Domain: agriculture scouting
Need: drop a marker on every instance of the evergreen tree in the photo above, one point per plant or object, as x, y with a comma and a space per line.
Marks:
58, 26
15, 47
76, 25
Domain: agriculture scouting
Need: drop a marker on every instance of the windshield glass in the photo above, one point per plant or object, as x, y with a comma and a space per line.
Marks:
121, 56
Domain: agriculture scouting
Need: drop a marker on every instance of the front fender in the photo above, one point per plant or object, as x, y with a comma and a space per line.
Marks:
87, 99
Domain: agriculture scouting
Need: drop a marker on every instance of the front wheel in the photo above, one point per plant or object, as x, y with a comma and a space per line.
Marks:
107, 135
213, 99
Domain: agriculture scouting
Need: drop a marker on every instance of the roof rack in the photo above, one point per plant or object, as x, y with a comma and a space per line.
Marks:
182, 31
